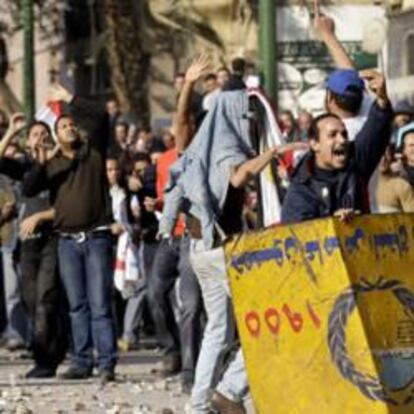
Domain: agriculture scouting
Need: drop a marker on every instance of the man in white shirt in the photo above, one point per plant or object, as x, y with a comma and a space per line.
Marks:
346, 95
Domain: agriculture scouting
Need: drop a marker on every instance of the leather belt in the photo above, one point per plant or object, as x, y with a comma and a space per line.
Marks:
81, 236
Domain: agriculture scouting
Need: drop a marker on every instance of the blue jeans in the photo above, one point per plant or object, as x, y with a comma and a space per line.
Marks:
86, 272
17, 324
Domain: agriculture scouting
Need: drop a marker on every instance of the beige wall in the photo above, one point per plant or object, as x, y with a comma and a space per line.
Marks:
44, 62
231, 20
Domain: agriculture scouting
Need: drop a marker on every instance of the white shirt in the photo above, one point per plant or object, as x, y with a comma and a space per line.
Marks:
354, 124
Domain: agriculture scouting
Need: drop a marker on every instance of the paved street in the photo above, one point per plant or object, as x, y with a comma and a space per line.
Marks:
137, 390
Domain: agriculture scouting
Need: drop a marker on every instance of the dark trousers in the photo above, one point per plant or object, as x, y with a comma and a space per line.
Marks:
42, 299
172, 262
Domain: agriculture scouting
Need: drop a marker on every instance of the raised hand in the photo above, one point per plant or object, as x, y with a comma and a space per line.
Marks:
39, 153
16, 123
377, 84
60, 94
323, 26
199, 67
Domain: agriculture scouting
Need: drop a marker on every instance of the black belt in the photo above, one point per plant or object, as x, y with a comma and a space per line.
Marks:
81, 236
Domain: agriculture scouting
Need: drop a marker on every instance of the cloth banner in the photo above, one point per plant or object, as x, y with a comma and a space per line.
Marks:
49, 113
325, 312
272, 137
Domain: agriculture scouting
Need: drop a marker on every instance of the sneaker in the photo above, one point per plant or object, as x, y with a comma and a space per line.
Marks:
126, 346
41, 372
75, 373
106, 375
226, 406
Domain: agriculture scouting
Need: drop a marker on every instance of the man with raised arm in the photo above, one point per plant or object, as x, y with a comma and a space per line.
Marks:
76, 179
345, 90
180, 343
332, 178
40, 287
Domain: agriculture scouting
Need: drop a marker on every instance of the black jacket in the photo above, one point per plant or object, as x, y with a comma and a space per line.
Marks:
309, 197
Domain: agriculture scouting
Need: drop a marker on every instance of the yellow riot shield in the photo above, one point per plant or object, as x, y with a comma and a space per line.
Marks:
325, 312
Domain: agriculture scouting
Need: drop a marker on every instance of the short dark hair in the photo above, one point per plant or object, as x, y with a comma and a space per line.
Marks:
113, 155
314, 128
59, 118
41, 123
141, 156
350, 102
123, 124
238, 66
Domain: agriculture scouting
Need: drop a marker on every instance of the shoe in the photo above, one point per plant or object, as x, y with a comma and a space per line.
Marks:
75, 373
41, 372
171, 365
126, 346
226, 406
107, 375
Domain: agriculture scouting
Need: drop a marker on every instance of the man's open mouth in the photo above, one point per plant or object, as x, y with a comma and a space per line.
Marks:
340, 152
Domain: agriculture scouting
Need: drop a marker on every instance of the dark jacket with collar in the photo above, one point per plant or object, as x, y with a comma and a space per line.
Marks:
309, 198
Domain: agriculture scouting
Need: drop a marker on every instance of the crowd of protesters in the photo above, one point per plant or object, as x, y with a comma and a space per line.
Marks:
110, 232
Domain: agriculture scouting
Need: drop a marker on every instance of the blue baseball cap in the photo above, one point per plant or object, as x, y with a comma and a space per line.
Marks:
345, 82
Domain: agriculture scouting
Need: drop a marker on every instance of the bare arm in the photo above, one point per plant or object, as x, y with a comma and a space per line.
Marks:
244, 173
47, 215
183, 131
324, 28
29, 225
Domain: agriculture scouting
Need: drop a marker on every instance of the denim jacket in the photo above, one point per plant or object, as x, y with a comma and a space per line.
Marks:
199, 180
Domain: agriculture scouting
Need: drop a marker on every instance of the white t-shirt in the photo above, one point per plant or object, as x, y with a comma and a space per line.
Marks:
354, 125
